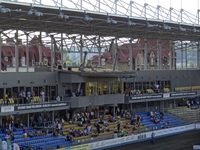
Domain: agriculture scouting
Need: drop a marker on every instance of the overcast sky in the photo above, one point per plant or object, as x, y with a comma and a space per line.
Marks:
189, 5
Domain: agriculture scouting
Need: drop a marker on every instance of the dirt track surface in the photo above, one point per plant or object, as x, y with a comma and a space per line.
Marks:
184, 141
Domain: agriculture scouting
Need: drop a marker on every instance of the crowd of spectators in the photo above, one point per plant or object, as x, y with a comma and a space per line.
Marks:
94, 123
156, 117
193, 104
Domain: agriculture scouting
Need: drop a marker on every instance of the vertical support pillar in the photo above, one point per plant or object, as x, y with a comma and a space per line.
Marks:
28, 123
198, 55
99, 5
162, 107
27, 53
116, 6
62, 61
114, 110
173, 57
181, 11
61, 3
186, 59
116, 57
170, 13
131, 107
53, 116
170, 55
198, 11
40, 50
160, 55
81, 4
99, 50
145, 10
16, 52
181, 54
130, 55
145, 54
147, 106
174, 103
114, 54
1, 121
158, 12
52, 53
159, 49
0, 50
81, 49
131, 8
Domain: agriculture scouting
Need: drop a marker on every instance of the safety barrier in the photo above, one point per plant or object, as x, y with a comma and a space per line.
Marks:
134, 138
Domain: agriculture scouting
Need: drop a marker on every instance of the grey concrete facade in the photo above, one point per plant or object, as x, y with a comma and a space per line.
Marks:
178, 78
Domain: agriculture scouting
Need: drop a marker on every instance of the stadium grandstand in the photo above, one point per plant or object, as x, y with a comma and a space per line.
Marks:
136, 80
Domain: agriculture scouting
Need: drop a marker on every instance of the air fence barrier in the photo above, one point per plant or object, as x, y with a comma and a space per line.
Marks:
134, 138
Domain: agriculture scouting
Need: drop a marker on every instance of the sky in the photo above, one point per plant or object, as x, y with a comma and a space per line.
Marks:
189, 5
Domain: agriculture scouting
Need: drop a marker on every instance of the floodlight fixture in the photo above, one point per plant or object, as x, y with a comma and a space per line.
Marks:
166, 27
88, 18
111, 21
182, 29
4, 10
130, 23
61, 15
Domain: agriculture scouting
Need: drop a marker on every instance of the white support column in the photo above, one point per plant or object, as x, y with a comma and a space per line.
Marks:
61, 3
130, 55
116, 6
145, 54
181, 54
81, 4
131, 8
0, 50
27, 52
52, 53
145, 10
158, 12
62, 61
198, 21
99, 5
170, 13
181, 11
99, 50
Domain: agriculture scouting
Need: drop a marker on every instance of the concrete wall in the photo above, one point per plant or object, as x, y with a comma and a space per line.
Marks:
95, 100
27, 79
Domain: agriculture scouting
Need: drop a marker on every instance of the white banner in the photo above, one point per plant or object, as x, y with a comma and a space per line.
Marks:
197, 125
166, 95
7, 108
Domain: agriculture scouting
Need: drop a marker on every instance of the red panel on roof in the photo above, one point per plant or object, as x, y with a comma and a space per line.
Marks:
22, 51
46, 52
8, 51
